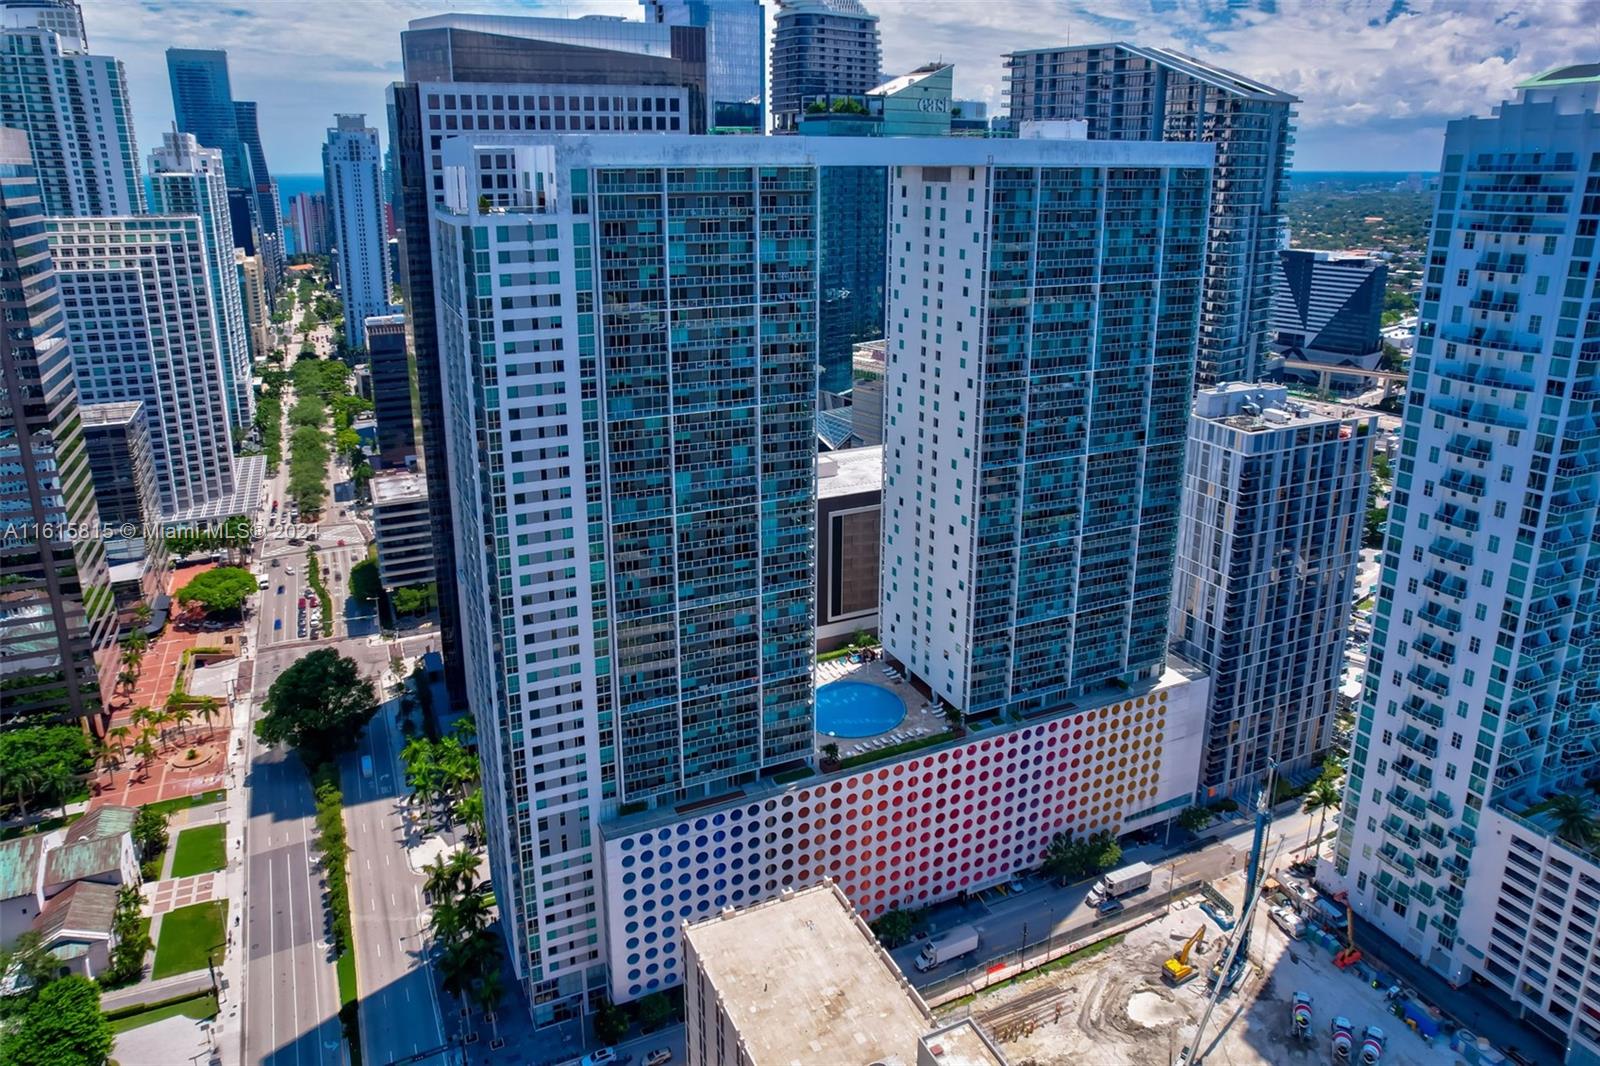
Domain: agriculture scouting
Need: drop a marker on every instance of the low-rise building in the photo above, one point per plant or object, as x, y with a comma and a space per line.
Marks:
391, 390
849, 503
1531, 923
64, 885
400, 525
800, 978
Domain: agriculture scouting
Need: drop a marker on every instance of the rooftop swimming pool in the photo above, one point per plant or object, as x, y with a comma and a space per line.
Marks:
856, 709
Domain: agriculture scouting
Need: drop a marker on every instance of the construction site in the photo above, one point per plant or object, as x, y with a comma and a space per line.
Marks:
1120, 1007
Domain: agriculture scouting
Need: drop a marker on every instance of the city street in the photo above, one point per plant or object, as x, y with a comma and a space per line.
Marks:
1026, 917
399, 1006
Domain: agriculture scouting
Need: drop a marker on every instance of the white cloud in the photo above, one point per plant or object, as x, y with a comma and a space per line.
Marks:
1376, 90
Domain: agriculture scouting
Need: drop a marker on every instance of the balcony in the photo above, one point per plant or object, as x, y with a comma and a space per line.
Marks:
1490, 377
1446, 618
1477, 411
1440, 804
1426, 678
1423, 711
1451, 585
1423, 744
1393, 856
1453, 514
1414, 772
1451, 551
1463, 482
1399, 798
1463, 835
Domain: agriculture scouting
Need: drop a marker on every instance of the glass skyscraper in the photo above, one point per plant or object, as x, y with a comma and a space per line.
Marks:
57, 631
1127, 93
74, 107
265, 190
821, 48
1040, 353
632, 467
202, 102
736, 79
1482, 697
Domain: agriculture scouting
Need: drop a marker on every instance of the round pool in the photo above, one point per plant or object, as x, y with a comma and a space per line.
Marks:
857, 709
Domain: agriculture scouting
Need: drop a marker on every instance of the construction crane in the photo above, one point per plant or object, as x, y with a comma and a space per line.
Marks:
1348, 955
1228, 968
1177, 969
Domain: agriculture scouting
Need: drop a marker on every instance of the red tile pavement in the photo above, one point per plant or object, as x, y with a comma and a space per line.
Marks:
178, 892
132, 785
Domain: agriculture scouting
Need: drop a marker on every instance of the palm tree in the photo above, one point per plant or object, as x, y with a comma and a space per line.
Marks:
181, 717
106, 754
1323, 797
127, 678
146, 751
141, 614
120, 733
472, 813
208, 711
487, 996
1576, 819
161, 719
441, 885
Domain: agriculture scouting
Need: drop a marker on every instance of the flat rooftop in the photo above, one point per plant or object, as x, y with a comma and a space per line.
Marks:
401, 486
852, 470
803, 980
962, 1044
109, 414
1267, 406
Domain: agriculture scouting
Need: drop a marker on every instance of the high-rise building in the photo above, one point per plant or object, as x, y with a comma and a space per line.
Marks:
736, 77
117, 442
1482, 698
401, 529
481, 72
1034, 448
202, 101
61, 17
391, 390
849, 524
352, 172
821, 48
257, 303
74, 108
665, 628
142, 326
1327, 309
266, 193
855, 207
186, 179
1128, 93
308, 215
1273, 503
57, 628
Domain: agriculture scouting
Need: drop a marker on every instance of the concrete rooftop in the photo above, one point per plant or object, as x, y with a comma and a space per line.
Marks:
852, 470
804, 981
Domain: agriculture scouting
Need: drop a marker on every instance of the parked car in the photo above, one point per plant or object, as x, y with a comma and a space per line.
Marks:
1106, 908
659, 1057
605, 1057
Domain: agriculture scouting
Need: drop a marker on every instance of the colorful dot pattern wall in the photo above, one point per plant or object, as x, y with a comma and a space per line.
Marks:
903, 834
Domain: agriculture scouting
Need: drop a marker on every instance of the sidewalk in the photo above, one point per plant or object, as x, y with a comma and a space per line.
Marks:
183, 984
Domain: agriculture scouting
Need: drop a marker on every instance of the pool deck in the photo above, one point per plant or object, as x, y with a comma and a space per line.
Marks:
917, 722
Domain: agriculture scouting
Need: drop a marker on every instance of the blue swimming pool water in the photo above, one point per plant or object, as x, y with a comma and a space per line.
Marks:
857, 709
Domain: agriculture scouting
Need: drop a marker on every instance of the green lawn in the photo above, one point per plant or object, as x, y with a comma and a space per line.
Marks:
202, 1005
200, 850
183, 802
188, 935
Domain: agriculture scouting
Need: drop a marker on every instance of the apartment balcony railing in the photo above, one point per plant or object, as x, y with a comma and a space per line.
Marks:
1417, 774
1423, 711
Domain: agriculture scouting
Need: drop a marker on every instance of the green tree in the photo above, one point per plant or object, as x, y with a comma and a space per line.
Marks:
472, 814
34, 962
40, 765
364, 583
219, 591
1575, 819
133, 942
655, 1011
150, 833
1372, 532
413, 599
1323, 797
62, 1026
317, 706
1194, 819
610, 1023
893, 928
1107, 852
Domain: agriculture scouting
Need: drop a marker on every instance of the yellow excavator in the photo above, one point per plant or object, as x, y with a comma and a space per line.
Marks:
1177, 969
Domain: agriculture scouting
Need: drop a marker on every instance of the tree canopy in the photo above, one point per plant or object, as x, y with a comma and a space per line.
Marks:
219, 591
318, 705
364, 583
40, 765
61, 1026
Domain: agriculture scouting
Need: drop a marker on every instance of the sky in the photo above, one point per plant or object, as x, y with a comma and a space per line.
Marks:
1378, 79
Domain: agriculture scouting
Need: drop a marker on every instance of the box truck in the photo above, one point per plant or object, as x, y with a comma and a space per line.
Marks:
943, 948
1123, 882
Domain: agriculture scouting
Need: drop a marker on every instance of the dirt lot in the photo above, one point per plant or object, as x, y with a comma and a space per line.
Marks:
1114, 1008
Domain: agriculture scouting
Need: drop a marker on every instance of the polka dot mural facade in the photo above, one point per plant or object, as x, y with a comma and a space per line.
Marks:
902, 834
